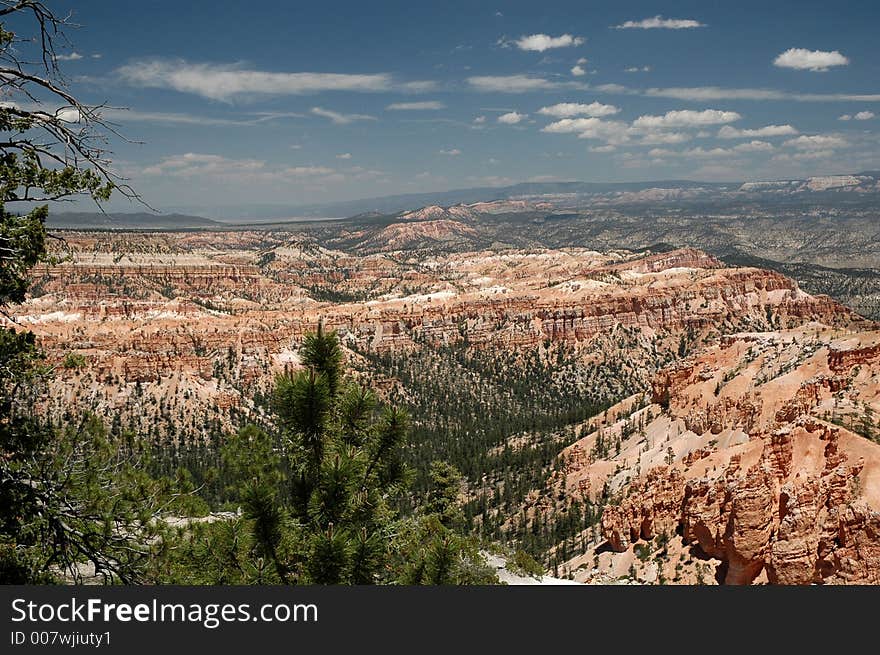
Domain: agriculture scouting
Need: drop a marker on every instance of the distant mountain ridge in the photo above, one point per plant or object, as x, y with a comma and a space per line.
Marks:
575, 193
561, 194
127, 221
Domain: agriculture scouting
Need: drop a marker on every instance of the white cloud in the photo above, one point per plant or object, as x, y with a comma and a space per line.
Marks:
194, 164
295, 146
453, 152
542, 42
68, 114
479, 120
864, 116
339, 118
658, 137
568, 109
654, 130
817, 142
417, 86
637, 69
703, 93
613, 132
73, 56
658, 22
728, 132
612, 88
121, 115
344, 155
518, 84
230, 81
213, 169
415, 106
713, 153
511, 118
171, 118
605, 148
578, 69
687, 118
754, 146
812, 60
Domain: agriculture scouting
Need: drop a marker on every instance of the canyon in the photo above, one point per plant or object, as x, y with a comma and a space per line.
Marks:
740, 408
760, 456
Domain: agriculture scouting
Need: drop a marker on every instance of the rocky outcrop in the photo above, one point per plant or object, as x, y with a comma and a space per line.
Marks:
800, 527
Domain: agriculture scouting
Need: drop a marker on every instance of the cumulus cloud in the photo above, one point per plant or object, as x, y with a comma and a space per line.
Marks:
817, 142
344, 155
511, 118
232, 81
605, 148
658, 22
416, 106
518, 84
578, 69
728, 132
542, 42
812, 60
453, 152
479, 120
340, 118
754, 146
73, 56
613, 132
568, 109
687, 118
637, 69
645, 130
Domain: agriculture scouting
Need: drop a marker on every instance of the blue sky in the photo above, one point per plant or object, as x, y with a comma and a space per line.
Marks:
295, 102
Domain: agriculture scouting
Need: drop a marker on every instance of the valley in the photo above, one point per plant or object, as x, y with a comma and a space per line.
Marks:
566, 384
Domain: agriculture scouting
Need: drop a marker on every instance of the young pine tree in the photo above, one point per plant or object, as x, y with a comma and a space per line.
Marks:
318, 495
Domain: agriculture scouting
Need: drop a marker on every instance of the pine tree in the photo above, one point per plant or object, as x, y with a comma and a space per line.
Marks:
70, 494
319, 494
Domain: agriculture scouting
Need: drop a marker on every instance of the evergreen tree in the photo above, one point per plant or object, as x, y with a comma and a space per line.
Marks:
318, 495
71, 496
